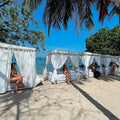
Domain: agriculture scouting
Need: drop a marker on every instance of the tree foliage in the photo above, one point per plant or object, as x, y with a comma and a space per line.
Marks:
4, 2
15, 22
105, 41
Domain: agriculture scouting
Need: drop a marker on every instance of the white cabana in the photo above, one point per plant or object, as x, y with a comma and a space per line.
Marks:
87, 59
59, 57
106, 59
25, 58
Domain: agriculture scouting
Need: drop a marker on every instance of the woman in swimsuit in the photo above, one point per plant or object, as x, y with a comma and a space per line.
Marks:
113, 67
95, 72
65, 71
15, 77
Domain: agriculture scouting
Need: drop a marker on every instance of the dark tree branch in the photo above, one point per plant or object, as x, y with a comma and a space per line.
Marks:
5, 3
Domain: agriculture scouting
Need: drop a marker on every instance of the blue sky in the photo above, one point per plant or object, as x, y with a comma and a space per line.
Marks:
69, 40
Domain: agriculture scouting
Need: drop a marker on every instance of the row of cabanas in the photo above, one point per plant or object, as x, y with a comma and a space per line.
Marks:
60, 57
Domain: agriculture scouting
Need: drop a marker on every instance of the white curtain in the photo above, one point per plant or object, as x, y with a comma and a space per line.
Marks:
48, 61
87, 60
26, 63
19, 56
75, 62
106, 61
22, 58
98, 60
5, 68
57, 62
35, 79
67, 61
118, 61
31, 76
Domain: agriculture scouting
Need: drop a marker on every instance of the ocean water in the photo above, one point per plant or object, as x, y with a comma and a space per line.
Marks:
41, 63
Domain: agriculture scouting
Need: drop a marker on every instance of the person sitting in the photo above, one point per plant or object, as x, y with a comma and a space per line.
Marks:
15, 77
96, 73
65, 71
113, 67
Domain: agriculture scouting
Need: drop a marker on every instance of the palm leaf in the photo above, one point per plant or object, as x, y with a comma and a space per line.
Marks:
67, 13
60, 12
114, 11
57, 12
78, 15
52, 15
32, 4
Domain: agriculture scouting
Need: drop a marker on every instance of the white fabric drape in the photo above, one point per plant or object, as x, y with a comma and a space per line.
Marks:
34, 76
48, 61
27, 67
118, 59
67, 61
87, 60
98, 60
75, 62
5, 68
23, 59
106, 61
57, 62
19, 56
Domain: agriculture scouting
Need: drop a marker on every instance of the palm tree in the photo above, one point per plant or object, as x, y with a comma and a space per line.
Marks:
116, 2
114, 11
60, 12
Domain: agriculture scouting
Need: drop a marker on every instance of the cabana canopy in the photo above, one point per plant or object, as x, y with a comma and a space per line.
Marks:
60, 57
25, 58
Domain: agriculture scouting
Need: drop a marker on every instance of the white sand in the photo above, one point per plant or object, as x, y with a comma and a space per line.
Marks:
90, 99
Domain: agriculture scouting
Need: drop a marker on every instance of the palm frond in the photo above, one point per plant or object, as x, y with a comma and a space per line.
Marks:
102, 6
88, 18
114, 11
57, 12
32, 4
60, 12
78, 15
83, 14
52, 14
67, 13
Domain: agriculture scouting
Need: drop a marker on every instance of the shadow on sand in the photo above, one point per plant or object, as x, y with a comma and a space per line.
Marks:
110, 78
32, 103
13, 99
106, 112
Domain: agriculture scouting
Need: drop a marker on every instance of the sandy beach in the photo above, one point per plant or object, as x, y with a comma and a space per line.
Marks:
86, 99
